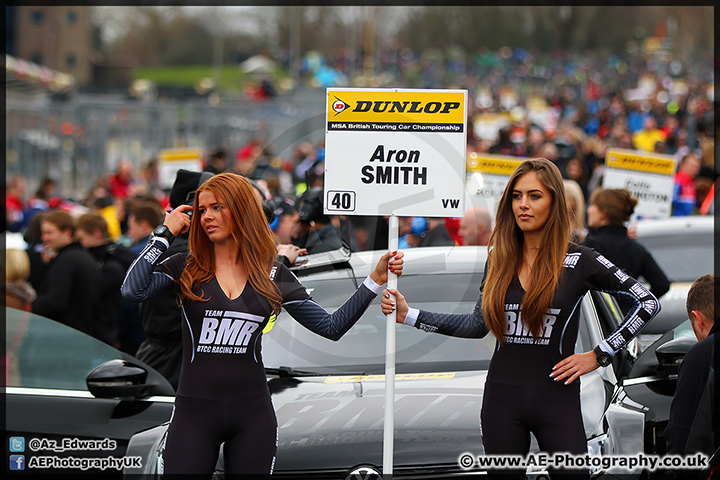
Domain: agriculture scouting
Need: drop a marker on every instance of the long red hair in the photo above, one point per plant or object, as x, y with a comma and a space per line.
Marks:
249, 229
506, 253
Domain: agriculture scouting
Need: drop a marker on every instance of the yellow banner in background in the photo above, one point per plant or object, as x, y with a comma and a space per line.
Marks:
640, 161
493, 164
174, 154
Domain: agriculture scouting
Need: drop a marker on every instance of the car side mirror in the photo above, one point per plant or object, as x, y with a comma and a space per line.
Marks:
119, 379
671, 354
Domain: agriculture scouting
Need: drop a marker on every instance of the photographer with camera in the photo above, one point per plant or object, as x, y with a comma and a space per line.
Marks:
313, 230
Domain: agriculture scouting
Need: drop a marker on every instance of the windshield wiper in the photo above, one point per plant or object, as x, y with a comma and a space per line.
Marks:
284, 371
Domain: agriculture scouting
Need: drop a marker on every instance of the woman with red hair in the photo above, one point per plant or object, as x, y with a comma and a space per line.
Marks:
230, 285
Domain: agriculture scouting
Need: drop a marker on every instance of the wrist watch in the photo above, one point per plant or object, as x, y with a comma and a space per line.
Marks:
604, 359
163, 231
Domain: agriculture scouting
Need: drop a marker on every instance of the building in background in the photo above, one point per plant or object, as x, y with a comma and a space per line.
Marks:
59, 38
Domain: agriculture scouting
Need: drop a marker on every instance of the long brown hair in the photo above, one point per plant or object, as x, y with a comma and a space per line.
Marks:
506, 253
249, 229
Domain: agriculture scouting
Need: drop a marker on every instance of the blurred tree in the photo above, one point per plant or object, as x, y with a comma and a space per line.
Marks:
173, 35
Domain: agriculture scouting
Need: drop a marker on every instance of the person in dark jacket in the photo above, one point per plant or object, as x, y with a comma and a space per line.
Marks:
609, 209
113, 261
694, 424
70, 289
436, 234
161, 315
313, 230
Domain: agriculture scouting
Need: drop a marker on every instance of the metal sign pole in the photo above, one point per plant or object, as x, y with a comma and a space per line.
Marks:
389, 425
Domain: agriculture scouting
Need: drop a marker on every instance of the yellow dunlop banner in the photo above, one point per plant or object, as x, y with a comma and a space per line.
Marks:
492, 164
381, 378
640, 161
416, 111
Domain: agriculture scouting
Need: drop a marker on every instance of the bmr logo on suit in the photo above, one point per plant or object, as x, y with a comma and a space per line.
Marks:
227, 331
518, 332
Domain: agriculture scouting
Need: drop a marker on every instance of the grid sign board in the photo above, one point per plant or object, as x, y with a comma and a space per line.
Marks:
649, 177
395, 152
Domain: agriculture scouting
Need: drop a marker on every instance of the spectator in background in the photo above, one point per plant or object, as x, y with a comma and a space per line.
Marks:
550, 151
120, 183
693, 423
247, 155
536, 137
285, 218
105, 206
314, 231
42, 200
113, 261
476, 226
142, 221
33, 239
144, 216
149, 177
15, 202
608, 211
576, 205
684, 194
646, 138
36, 204
18, 291
160, 316
706, 176
69, 290
436, 235
48, 190
367, 232
218, 162
282, 226
503, 145
411, 230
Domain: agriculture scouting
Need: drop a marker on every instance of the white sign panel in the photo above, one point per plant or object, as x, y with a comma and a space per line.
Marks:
395, 152
488, 175
649, 177
173, 159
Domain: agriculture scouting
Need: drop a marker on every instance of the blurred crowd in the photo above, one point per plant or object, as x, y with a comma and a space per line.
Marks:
565, 107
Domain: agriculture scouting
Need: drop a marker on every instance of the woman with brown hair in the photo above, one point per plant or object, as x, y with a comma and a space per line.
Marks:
534, 281
608, 211
230, 285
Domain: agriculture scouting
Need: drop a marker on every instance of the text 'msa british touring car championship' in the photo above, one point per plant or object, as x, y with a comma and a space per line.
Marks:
395, 152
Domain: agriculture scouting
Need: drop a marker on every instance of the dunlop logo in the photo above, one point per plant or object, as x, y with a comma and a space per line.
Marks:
380, 106
364, 110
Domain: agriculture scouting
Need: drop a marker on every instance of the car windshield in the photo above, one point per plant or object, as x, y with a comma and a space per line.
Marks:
42, 353
362, 348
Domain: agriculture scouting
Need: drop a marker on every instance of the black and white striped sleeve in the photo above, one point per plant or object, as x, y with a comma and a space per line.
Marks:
146, 278
331, 325
465, 325
601, 274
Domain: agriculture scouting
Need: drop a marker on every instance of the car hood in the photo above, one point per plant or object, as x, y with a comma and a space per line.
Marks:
329, 424
333, 421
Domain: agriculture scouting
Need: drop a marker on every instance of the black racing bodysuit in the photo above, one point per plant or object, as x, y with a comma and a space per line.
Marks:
520, 397
222, 392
